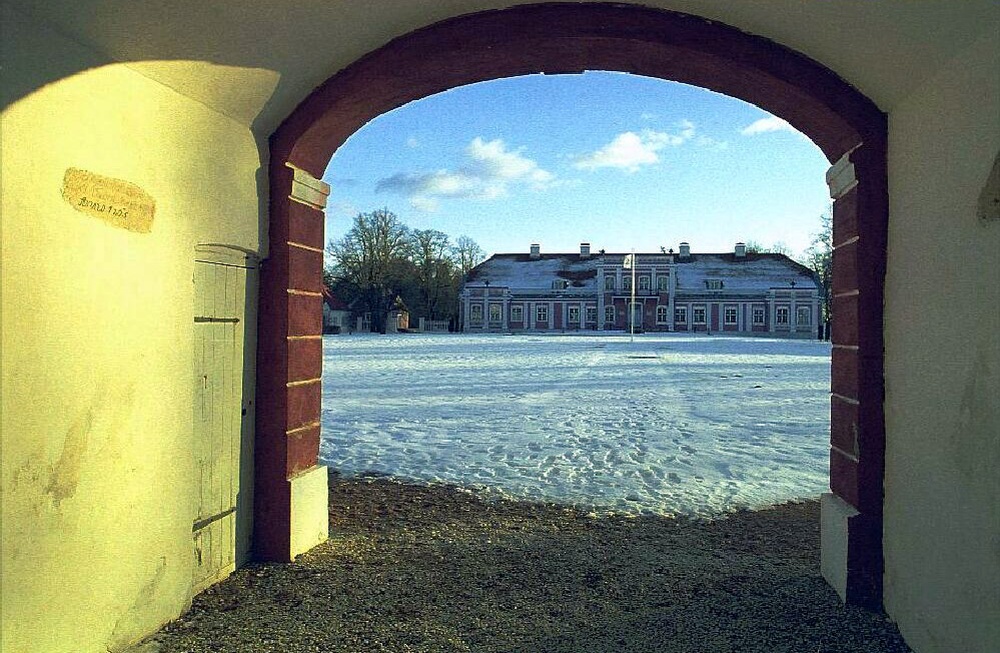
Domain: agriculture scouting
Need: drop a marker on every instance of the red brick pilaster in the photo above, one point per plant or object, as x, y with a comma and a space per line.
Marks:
857, 436
289, 355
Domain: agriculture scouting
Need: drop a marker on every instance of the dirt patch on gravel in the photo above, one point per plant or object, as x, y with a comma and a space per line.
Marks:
439, 569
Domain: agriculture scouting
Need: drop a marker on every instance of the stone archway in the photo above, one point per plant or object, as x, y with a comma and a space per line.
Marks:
290, 502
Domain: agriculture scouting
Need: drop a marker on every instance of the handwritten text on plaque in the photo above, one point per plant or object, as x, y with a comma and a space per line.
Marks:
119, 203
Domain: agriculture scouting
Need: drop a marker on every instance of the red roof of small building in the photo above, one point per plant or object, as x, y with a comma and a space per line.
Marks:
335, 303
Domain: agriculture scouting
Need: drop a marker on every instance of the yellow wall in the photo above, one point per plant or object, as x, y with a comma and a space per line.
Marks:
942, 521
98, 476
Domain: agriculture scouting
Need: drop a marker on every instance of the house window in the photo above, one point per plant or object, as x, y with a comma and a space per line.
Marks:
559, 284
609, 283
713, 284
661, 314
574, 314
626, 283
516, 313
730, 315
803, 315
699, 314
541, 314
758, 315
781, 315
496, 313
681, 314
643, 283
591, 314
476, 313
663, 282
609, 313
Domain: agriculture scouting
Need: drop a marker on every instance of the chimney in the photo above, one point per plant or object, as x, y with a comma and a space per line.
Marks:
741, 250
584, 250
536, 251
685, 251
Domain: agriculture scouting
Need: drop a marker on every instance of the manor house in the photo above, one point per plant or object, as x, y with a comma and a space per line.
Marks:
737, 292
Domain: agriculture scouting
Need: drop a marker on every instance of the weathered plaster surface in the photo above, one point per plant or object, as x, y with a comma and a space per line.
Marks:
97, 474
942, 512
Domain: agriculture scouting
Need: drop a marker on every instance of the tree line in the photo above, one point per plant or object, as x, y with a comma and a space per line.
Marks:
381, 264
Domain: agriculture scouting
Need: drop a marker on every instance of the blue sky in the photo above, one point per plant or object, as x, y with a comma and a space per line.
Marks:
618, 160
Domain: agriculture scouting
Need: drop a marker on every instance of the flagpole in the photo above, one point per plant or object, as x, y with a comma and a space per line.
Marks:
631, 308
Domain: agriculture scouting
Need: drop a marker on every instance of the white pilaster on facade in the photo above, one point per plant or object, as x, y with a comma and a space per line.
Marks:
600, 307
793, 316
773, 311
465, 313
671, 288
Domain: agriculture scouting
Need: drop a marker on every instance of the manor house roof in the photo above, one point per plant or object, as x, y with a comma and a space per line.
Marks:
750, 273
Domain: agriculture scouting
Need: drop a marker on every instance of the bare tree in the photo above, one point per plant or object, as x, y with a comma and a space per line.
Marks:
435, 271
367, 262
756, 247
819, 258
468, 254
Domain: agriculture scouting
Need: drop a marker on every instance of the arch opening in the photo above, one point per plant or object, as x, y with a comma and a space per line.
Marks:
565, 38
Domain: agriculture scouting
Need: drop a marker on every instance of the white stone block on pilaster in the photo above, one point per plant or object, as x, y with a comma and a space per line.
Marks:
310, 514
308, 190
841, 177
835, 513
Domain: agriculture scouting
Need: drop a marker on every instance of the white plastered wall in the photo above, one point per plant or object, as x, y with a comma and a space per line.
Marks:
98, 479
942, 481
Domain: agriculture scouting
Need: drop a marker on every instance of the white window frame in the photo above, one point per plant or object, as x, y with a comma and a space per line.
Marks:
610, 314
681, 314
476, 313
725, 315
591, 314
662, 282
609, 283
542, 313
665, 310
573, 314
517, 313
781, 315
759, 311
498, 308
713, 284
803, 310
694, 315
643, 281
627, 282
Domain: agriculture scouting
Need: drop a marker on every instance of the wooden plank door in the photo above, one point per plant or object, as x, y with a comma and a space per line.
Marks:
222, 420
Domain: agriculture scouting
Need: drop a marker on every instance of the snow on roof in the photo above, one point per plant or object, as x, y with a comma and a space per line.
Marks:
753, 273
756, 272
520, 271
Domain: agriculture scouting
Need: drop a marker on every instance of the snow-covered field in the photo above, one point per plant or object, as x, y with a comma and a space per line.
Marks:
669, 424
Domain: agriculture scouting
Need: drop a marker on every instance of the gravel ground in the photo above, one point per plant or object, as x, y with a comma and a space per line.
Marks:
437, 568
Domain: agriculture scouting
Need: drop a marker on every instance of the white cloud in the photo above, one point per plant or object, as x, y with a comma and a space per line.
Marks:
340, 209
424, 204
489, 170
711, 143
630, 151
764, 125
412, 142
